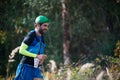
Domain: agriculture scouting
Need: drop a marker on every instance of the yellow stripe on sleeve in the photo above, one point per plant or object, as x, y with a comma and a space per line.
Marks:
23, 51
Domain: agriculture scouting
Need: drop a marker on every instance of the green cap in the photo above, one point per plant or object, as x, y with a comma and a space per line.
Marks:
41, 19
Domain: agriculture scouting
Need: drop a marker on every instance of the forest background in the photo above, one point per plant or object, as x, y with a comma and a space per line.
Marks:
94, 27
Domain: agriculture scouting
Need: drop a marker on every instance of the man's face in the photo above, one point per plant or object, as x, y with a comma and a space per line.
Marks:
42, 29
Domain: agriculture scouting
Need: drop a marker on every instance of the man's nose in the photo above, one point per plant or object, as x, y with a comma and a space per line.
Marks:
46, 27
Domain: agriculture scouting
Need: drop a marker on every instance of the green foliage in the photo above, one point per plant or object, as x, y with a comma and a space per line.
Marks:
1, 78
91, 28
54, 41
82, 76
94, 29
117, 49
113, 64
2, 37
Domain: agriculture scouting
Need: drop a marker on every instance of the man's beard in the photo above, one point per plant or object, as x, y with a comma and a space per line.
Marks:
42, 31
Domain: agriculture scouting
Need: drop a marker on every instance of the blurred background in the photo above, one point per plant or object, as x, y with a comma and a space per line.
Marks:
80, 31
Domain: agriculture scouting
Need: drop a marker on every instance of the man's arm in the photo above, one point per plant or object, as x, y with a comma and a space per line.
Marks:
23, 50
26, 43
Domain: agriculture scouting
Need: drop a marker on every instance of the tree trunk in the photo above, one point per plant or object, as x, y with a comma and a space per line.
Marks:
66, 33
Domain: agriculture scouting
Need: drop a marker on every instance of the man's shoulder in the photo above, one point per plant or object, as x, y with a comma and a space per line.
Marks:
31, 33
29, 37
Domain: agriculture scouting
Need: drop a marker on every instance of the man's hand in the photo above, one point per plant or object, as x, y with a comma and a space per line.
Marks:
41, 57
